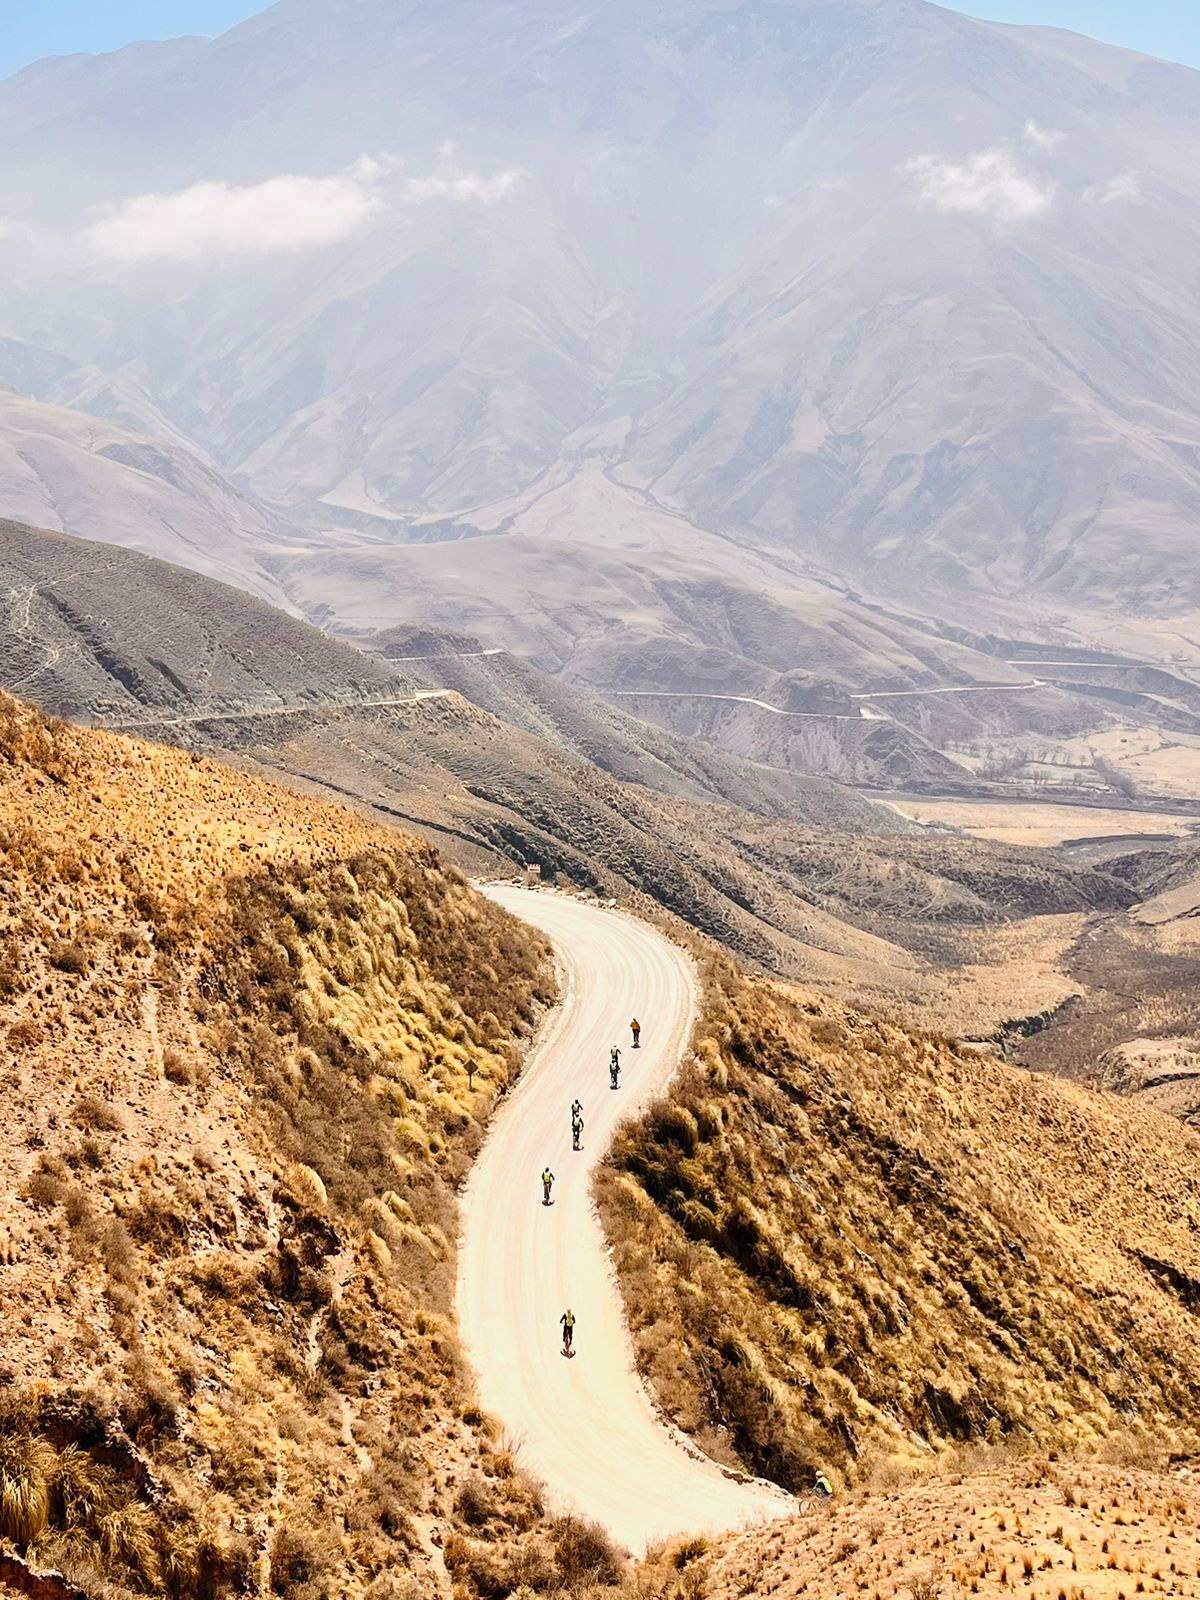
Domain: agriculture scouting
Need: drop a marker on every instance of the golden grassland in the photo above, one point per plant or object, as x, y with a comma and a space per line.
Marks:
845, 1246
249, 1046
250, 1042
1043, 1528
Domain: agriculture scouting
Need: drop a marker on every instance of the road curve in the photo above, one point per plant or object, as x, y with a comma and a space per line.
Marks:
586, 1425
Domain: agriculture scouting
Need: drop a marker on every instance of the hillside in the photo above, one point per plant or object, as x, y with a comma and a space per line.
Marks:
501, 765
132, 484
1045, 1526
841, 1245
110, 635
616, 740
250, 1044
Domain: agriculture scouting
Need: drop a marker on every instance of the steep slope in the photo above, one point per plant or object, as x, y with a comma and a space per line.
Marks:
841, 1244
111, 635
251, 1041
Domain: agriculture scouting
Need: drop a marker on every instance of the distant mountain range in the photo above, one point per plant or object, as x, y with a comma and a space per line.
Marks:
615, 333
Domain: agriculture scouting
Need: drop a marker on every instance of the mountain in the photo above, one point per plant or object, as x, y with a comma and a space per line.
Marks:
871, 290
767, 296
70, 470
100, 633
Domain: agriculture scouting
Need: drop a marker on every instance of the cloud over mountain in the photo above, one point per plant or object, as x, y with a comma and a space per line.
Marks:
987, 184
230, 221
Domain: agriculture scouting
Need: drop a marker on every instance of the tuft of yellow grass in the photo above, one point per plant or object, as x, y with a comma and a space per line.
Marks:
842, 1244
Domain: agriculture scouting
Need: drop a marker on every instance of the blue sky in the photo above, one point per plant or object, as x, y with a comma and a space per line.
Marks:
1168, 28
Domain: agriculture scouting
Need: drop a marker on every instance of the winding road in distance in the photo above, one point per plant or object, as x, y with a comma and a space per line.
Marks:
585, 1426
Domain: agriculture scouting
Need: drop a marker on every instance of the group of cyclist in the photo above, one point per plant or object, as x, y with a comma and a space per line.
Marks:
567, 1320
822, 1486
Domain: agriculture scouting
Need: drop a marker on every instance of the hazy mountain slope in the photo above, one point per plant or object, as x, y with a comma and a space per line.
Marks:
65, 470
571, 719
108, 635
876, 285
93, 632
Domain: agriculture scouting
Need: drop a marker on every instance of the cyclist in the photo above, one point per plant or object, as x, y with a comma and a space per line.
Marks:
614, 1068
576, 1130
576, 1107
635, 1029
823, 1486
568, 1327
547, 1185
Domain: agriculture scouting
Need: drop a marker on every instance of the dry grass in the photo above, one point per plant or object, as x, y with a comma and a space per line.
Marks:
1040, 1528
227, 1207
1044, 825
841, 1244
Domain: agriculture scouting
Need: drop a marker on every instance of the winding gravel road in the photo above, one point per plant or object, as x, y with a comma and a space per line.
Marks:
585, 1425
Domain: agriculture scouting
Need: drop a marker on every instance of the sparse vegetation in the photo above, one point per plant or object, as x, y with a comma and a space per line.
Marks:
836, 1238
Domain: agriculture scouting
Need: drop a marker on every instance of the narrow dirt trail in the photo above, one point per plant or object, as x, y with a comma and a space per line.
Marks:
585, 1425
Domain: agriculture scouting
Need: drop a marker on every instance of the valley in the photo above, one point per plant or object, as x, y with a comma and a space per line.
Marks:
517, 518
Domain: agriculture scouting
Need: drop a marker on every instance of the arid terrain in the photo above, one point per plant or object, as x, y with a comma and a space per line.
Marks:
251, 1042
1043, 1528
517, 517
249, 1045
502, 766
839, 1243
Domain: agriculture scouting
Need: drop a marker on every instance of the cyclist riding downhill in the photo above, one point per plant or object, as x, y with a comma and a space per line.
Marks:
576, 1107
568, 1327
576, 1131
635, 1029
614, 1068
547, 1185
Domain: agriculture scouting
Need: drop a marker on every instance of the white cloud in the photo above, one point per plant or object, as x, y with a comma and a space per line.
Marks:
229, 221
464, 186
1042, 138
224, 222
987, 184
1123, 187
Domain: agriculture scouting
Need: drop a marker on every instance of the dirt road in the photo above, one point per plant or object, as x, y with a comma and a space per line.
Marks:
586, 1425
